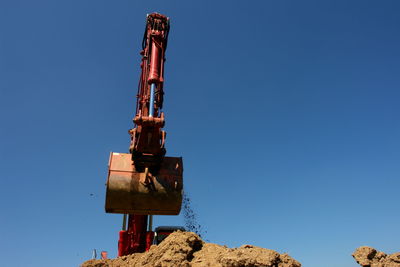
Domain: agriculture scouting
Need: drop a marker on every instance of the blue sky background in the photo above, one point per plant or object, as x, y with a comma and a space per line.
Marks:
285, 112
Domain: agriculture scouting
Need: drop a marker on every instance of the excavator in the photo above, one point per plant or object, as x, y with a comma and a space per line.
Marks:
145, 182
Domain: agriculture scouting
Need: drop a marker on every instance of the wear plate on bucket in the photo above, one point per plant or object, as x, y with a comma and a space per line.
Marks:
132, 192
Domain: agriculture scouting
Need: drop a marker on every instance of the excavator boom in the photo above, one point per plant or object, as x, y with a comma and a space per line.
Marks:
147, 138
144, 182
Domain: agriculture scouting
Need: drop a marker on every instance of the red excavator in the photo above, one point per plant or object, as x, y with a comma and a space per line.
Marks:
144, 182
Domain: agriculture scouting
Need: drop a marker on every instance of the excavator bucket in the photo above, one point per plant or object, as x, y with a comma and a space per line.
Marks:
132, 192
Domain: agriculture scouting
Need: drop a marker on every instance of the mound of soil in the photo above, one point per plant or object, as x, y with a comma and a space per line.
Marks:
187, 249
370, 257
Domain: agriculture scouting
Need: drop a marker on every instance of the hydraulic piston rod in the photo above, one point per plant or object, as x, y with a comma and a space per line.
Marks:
151, 103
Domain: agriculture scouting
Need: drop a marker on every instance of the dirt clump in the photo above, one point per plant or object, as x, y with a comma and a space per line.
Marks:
188, 250
244, 256
370, 257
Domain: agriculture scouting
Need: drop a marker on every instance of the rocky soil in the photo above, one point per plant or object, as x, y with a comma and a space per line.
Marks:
370, 257
187, 249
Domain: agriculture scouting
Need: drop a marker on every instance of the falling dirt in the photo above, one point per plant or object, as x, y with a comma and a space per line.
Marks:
370, 257
190, 217
187, 249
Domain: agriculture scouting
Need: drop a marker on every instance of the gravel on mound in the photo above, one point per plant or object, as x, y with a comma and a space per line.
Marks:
370, 257
187, 249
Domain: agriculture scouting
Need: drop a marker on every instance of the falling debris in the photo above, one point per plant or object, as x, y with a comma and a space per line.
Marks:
190, 217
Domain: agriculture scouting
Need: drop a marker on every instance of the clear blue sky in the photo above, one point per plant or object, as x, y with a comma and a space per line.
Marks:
286, 114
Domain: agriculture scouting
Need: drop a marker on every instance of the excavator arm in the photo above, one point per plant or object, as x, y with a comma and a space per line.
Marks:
145, 181
147, 139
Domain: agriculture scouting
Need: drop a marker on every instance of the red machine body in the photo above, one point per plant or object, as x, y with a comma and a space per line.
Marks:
136, 238
147, 137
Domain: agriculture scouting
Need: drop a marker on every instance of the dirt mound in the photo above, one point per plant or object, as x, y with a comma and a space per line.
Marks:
370, 257
187, 249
